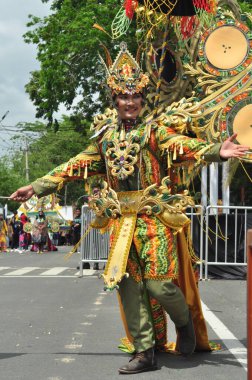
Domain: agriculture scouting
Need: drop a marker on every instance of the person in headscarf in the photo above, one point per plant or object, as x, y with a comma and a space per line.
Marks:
39, 232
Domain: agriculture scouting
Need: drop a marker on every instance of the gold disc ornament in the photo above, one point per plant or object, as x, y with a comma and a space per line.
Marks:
236, 117
28, 227
242, 125
226, 48
55, 227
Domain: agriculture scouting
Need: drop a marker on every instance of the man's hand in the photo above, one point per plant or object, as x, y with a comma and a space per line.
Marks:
23, 194
229, 149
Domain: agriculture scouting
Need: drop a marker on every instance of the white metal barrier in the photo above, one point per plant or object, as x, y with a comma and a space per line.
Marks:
197, 212
95, 246
240, 226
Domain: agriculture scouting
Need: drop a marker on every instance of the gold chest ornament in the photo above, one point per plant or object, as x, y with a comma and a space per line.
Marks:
122, 155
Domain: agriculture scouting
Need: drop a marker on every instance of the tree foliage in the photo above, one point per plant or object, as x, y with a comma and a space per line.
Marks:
47, 149
10, 181
67, 46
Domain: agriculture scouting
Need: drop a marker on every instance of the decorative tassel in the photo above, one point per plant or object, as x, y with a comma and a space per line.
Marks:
86, 171
181, 151
190, 169
148, 130
71, 171
184, 175
79, 170
168, 159
174, 153
122, 134
179, 177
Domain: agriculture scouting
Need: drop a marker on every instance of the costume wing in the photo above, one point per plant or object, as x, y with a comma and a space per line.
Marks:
201, 73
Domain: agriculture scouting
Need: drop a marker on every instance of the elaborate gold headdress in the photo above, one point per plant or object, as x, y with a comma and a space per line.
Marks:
125, 76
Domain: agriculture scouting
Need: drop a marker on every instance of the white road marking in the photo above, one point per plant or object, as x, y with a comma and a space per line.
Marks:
21, 271
90, 315
98, 301
54, 271
231, 342
79, 333
66, 360
45, 272
87, 272
86, 323
36, 276
73, 346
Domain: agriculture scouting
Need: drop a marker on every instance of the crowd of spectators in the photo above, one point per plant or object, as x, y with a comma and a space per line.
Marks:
13, 235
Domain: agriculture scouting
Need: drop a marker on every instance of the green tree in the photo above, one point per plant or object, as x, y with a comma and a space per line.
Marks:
48, 149
67, 46
10, 181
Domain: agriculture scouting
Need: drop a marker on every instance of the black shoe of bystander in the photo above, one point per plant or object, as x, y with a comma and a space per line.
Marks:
84, 266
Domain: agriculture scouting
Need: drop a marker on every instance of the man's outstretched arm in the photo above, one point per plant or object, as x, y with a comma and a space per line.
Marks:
83, 165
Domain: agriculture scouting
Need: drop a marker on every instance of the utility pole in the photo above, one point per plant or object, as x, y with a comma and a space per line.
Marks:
65, 197
26, 160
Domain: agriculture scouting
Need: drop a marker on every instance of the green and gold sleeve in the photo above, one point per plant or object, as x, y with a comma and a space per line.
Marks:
182, 148
81, 166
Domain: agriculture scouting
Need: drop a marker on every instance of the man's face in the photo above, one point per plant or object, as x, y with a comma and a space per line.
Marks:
129, 106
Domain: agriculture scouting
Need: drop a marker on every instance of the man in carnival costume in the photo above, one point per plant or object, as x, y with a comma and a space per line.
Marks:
151, 257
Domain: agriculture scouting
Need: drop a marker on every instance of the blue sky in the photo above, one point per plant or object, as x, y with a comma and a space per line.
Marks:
17, 59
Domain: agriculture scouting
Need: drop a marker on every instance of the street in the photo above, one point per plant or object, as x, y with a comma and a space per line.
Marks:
57, 326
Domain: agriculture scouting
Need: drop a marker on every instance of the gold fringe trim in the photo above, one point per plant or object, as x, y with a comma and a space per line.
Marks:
171, 141
85, 157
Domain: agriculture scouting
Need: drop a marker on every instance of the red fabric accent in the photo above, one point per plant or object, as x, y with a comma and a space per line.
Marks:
206, 5
130, 6
188, 26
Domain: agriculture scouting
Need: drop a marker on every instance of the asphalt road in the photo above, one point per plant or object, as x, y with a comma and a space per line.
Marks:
57, 326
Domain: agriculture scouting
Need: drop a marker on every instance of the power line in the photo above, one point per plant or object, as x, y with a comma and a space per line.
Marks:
4, 116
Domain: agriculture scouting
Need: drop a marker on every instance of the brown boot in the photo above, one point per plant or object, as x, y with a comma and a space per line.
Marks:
141, 362
186, 338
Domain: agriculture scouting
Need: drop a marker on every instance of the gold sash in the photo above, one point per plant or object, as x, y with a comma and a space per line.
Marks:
118, 255
154, 200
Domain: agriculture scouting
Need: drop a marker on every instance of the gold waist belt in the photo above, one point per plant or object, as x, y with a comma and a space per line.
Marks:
130, 201
154, 201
